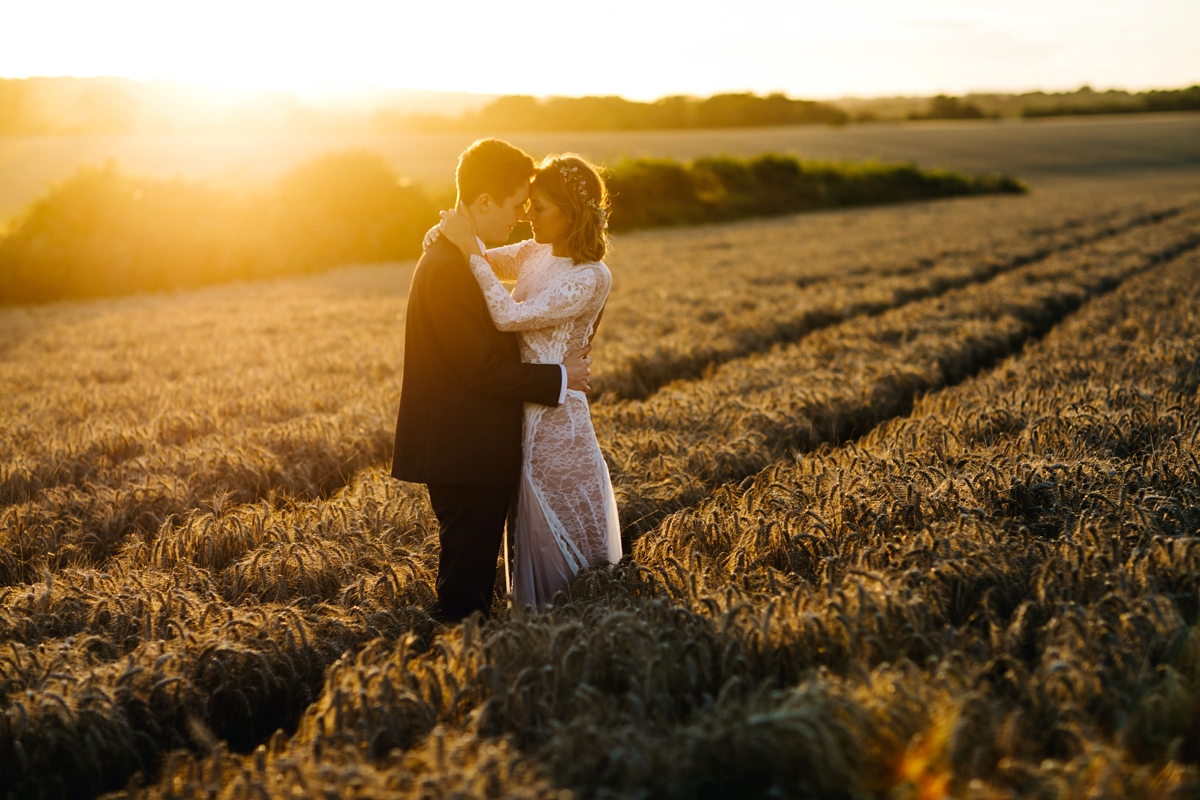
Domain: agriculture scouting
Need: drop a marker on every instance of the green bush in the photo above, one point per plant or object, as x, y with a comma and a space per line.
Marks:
654, 192
102, 232
347, 207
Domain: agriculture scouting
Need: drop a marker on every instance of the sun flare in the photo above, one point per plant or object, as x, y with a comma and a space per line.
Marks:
635, 49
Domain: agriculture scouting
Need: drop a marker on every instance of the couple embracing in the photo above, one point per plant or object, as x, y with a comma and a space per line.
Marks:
493, 409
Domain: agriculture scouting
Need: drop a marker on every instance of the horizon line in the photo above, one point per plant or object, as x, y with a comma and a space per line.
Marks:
343, 89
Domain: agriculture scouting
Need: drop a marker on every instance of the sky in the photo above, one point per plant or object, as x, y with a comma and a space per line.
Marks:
641, 49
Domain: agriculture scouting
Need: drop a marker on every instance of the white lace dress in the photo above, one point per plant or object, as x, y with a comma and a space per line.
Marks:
566, 515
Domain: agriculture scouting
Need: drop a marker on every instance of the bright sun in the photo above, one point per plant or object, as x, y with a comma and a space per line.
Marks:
637, 48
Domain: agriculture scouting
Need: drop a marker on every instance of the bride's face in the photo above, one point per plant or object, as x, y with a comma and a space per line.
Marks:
549, 222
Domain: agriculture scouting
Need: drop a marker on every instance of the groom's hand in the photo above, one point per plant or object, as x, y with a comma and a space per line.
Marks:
579, 370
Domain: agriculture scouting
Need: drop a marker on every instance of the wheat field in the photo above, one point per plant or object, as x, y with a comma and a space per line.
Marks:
910, 494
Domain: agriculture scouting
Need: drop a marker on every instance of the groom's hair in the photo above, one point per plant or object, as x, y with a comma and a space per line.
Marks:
492, 167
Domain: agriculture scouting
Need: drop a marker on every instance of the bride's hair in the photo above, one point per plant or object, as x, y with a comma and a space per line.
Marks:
574, 185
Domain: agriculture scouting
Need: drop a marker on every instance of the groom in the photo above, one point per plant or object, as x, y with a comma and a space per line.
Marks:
464, 386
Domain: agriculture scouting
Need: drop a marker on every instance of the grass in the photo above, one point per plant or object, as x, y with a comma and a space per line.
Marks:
943, 542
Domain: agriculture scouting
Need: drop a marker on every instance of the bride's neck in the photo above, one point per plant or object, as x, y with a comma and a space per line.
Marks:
559, 249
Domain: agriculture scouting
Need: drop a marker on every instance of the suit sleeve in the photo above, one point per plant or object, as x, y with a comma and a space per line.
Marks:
461, 325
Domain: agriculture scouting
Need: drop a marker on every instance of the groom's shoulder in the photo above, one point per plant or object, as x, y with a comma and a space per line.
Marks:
442, 251
441, 261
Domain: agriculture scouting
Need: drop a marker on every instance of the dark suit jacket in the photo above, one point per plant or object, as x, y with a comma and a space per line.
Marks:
464, 384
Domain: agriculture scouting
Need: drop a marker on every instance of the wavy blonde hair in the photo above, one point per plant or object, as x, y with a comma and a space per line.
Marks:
574, 184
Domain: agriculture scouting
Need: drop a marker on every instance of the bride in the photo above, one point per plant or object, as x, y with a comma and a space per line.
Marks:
566, 515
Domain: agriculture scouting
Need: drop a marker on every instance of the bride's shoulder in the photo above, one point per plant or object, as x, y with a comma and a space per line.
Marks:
599, 269
594, 265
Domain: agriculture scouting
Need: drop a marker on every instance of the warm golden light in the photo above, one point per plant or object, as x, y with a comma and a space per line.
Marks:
627, 47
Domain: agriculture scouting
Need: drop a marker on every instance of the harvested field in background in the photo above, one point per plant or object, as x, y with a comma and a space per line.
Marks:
1034, 150
913, 493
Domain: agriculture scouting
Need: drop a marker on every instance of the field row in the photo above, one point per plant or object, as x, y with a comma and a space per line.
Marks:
178, 591
990, 597
220, 628
671, 450
119, 383
126, 416
284, 404
1028, 538
698, 299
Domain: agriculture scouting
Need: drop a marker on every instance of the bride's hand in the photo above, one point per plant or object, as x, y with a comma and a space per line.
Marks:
456, 226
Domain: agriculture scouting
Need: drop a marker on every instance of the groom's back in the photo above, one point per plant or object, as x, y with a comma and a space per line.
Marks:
449, 430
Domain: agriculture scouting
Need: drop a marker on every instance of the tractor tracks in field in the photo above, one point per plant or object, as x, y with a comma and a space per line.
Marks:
673, 449
643, 377
248, 672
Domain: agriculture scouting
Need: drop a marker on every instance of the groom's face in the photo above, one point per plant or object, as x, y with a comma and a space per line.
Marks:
494, 220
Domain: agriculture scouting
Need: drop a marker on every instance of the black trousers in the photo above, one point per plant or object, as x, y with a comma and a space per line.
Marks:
471, 528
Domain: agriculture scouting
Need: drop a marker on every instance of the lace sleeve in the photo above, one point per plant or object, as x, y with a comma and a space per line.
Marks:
559, 302
507, 260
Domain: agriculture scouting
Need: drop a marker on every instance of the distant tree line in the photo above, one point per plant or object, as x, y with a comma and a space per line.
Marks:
944, 107
525, 113
1084, 100
37, 106
103, 232
108, 105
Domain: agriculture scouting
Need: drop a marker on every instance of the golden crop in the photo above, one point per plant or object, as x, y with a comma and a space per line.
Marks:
913, 493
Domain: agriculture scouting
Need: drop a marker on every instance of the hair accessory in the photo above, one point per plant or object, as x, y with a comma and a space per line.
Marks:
570, 175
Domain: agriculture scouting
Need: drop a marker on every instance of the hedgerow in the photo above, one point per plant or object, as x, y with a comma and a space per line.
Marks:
103, 232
